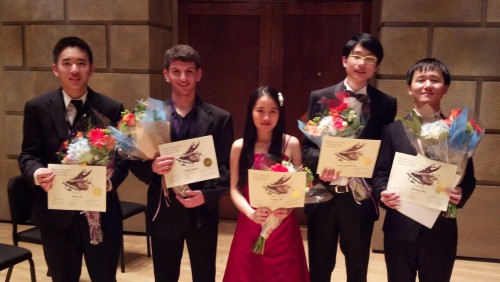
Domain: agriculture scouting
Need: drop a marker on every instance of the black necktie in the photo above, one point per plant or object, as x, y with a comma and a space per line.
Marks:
78, 104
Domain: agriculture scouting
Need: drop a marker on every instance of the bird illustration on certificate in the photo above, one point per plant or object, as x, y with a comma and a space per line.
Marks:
350, 157
195, 160
78, 187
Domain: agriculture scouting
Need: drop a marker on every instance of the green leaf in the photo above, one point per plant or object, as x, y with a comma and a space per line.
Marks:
414, 125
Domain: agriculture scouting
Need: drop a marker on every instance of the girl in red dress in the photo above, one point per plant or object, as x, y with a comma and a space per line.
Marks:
284, 257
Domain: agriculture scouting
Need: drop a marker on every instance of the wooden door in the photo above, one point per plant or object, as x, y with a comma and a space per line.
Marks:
294, 46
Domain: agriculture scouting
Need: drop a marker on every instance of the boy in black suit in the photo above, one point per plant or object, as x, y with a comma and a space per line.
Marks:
48, 120
342, 218
410, 247
193, 217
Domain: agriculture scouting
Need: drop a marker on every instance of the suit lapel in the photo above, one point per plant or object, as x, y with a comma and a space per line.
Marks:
94, 110
407, 145
336, 89
93, 102
57, 112
370, 91
203, 120
329, 94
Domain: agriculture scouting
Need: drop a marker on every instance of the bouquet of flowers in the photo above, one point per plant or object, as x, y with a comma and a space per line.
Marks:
452, 140
140, 132
95, 146
271, 163
337, 119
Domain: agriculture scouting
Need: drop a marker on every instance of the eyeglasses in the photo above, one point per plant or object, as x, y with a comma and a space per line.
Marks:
367, 59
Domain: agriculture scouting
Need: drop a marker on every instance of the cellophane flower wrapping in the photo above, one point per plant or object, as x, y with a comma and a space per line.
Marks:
272, 163
92, 146
452, 140
337, 119
341, 120
139, 132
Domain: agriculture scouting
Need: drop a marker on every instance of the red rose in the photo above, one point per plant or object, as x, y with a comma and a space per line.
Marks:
279, 168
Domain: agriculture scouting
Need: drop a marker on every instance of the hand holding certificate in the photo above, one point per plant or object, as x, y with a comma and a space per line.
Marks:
194, 160
274, 190
81, 180
94, 148
276, 184
78, 188
421, 181
450, 141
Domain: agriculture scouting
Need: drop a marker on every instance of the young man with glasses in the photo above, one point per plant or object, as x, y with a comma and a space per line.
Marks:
342, 218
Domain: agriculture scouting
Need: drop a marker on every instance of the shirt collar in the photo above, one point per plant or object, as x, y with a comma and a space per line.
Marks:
428, 117
360, 91
191, 115
67, 98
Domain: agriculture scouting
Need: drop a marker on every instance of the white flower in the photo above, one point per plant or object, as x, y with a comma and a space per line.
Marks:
351, 116
325, 122
325, 126
289, 166
76, 150
434, 131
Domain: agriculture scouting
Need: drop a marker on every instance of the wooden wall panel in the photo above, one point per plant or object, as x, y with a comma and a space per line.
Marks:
293, 46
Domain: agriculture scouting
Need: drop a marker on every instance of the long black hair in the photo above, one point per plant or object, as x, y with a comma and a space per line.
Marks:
250, 132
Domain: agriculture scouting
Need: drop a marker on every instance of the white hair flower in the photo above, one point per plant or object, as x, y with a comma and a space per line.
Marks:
281, 99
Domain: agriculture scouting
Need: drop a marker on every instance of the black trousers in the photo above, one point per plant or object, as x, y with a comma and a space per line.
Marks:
201, 243
340, 220
64, 249
432, 254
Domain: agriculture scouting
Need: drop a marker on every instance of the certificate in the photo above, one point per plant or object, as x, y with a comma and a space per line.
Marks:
274, 190
78, 188
423, 215
350, 157
195, 160
421, 181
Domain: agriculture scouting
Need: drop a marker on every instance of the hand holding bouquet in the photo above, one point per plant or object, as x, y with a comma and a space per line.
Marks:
452, 140
140, 132
337, 119
93, 147
271, 163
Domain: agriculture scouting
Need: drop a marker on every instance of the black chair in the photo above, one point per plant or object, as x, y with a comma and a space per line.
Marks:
21, 197
12, 255
130, 209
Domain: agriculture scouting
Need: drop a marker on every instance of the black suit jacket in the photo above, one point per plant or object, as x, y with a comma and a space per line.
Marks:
45, 129
394, 139
210, 120
383, 110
